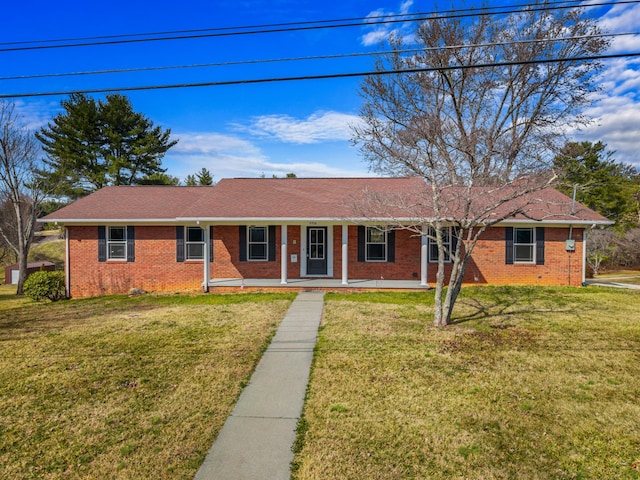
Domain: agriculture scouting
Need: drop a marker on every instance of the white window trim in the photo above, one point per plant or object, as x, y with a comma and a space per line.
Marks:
432, 242
532, 245
187, 243
367, 243
117, 242
266, 244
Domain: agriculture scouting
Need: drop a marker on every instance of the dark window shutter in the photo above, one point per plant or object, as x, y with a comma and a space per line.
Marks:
102, 244
362, 232
272, 243
179, 243
131, 243
391, 246
539, 245
243, 242
211, 243
509, 245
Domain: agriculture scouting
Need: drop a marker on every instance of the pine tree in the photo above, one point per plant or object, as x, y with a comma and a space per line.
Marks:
204, 177
94, 144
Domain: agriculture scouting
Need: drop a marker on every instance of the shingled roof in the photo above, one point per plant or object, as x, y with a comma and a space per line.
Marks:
131, 203
301, 199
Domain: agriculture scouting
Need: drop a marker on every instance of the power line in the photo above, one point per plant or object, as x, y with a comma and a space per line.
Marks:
319, 77
317, 25
307, 58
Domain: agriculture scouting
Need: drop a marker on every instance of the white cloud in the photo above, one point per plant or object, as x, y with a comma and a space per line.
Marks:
228, 156
319, 127
618, 126
212, 143
380, 32
621, 18
36, 114
223, 155
617, 107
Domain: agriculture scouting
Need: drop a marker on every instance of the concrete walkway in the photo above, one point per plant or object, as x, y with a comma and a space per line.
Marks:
257, 439
616, 283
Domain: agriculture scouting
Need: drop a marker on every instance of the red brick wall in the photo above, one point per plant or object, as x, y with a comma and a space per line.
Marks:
405, 267
488, 261
156, 269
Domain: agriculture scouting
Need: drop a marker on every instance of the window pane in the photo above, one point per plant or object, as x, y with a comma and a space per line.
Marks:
116, 233
433, 251
117, 251
257, 234
195, 234
375, 251
375, 235
524, 235
446, 243
523, 253
257, 251
195, 251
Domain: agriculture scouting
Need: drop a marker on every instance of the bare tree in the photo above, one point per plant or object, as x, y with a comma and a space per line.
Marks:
601, 245
478, 113
18, 189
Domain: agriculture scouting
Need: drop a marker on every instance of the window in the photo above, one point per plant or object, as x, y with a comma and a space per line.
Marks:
257, 243
117, 243
195, 243
524, 243
433, 245
376, 244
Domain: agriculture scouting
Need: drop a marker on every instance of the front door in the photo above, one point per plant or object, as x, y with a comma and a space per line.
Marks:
316, 250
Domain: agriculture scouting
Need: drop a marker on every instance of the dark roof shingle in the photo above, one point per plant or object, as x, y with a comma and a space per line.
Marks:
255, 199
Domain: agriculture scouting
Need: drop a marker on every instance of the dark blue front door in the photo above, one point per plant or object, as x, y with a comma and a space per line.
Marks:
316, 250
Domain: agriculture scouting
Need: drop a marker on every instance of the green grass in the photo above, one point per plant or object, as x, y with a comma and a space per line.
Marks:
52, 251
124, 388
533, 383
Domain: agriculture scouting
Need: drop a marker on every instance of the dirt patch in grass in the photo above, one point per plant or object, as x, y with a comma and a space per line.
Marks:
121, 387
528, 383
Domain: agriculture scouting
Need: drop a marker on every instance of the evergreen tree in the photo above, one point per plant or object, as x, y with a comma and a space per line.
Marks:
190, 181
602, 184
204, 177
159, 179
94, 144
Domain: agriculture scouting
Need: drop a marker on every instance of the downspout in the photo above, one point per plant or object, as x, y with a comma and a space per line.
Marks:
584, 257
67, 273
573, 212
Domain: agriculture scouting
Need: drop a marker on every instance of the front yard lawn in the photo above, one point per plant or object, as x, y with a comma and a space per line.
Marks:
124, 388
533, 383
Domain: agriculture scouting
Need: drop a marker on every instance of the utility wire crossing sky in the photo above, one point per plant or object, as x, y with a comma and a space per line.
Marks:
269, 122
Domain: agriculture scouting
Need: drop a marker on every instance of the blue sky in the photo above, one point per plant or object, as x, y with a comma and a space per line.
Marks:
249, 130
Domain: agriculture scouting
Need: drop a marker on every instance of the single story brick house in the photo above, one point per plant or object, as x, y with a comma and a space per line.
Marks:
287, 233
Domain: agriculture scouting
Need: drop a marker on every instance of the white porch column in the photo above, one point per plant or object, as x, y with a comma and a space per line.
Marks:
424, 256
205, 257
345, 254
283, 256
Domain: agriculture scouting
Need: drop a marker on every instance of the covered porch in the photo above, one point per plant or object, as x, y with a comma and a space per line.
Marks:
312, 255
295, 284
